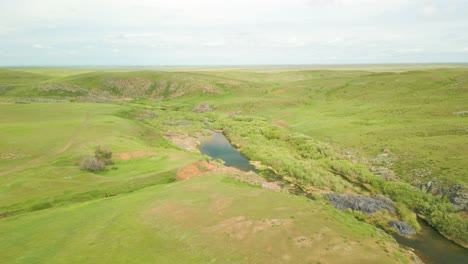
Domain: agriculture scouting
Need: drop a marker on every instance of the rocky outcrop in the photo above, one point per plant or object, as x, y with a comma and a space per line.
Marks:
459, 200
431, 187
383, 172
386, 158
179, 123
361, 203
146, 115
402, 228
132, 87
457, 194
274, 186
183, 141
202, 108
461, 113
62, 89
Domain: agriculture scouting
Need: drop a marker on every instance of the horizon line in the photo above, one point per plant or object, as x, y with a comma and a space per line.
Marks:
234, 65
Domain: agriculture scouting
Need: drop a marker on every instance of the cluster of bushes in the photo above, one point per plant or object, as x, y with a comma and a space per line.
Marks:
102, 157
315, 163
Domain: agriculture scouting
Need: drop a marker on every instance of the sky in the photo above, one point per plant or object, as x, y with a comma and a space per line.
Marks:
240, 32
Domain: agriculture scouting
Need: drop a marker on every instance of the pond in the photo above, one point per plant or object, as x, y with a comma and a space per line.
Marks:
429, 245
218, 147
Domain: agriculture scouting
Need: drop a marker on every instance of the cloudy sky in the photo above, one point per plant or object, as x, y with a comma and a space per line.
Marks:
215, 32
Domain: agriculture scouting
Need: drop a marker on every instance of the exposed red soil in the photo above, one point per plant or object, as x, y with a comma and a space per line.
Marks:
278, 92
133, 154
280, 123
200, 168
195, 170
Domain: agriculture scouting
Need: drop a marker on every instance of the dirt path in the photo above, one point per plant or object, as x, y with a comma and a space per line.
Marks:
41, 159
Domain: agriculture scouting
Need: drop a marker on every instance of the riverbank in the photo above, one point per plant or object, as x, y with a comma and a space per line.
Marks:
428, 244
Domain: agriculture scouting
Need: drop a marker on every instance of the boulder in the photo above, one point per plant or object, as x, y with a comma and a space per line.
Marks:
402, 228
459, 200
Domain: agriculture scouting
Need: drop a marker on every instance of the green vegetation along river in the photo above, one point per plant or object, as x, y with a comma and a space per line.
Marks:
429, 245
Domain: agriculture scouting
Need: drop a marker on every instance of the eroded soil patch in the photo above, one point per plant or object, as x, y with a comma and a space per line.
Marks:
200, 168
133, 155
184, 141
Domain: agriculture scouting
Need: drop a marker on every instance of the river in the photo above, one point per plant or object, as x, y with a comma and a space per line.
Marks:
429, 245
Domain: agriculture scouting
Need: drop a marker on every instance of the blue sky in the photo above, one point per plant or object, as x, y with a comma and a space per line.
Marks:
213, 32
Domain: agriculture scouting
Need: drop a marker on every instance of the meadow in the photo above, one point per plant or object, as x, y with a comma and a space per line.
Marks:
321, 129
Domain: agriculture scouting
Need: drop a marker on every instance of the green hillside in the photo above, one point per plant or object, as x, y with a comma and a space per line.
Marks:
397, 133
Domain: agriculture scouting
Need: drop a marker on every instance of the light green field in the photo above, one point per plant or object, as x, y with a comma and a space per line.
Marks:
212, 219
54, 138
53, 212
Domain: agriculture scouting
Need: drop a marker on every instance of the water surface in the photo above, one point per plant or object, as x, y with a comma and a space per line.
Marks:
433, 248
218, 147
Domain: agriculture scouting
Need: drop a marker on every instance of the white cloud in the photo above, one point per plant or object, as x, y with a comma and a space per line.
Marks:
336, 40
217, 43
260, 31
41, 46
295, 42
409, 50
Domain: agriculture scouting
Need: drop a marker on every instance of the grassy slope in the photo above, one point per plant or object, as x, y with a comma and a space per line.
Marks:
410, 113
207, 220
55, 137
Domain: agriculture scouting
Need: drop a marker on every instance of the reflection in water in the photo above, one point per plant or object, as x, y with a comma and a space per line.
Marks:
430, 246
218, 147
433, 248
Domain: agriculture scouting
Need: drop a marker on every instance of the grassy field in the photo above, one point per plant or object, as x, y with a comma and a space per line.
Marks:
47, 142
212, 219
50, 119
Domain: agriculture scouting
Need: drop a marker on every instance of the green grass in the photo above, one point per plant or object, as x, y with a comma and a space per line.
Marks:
405, 110
54, 138
148, 218
206, 220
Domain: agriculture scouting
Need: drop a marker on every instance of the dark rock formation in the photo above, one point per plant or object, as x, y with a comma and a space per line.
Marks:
180, 123
402, 228
459, 200
360, 203
457, 194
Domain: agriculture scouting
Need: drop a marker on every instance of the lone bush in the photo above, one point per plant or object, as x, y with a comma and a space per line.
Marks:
102, 157
92, 164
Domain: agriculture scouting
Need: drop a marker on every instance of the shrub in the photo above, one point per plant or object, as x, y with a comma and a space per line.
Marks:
92, 164
104, 155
